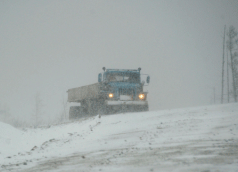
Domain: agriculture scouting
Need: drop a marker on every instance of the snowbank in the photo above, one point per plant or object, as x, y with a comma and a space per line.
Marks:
189, 139
10, 140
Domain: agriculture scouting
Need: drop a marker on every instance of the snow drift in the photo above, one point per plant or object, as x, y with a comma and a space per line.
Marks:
190, 139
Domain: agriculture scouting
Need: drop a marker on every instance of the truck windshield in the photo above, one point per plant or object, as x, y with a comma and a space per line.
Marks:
123, 77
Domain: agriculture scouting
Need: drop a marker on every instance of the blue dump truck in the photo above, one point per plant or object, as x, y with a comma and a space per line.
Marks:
117, 91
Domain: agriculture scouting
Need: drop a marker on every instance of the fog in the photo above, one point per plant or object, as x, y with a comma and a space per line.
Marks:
48, 47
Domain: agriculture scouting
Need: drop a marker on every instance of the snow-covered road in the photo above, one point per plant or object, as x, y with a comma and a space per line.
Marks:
191, 139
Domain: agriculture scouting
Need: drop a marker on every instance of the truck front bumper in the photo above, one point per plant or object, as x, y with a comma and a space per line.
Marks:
126, 102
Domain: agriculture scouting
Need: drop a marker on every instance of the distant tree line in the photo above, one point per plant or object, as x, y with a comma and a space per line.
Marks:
36, 118
6, 117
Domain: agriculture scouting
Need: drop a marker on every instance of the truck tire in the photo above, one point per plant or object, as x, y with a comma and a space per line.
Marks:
74, 112
142, 108
146, 108
104, 109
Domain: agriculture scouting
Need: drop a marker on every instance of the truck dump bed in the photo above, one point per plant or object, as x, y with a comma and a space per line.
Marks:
85, 92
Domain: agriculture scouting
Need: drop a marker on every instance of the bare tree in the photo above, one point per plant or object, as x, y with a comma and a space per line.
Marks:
63, 114
38, 110
231, 43
5, 114
227, 72
223, 62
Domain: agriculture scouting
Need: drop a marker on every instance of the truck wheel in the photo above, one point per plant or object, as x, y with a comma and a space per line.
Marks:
74, 112
101, 107
142, 108
146, 108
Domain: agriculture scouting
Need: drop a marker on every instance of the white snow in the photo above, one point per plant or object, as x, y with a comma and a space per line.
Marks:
189, 139
126, 102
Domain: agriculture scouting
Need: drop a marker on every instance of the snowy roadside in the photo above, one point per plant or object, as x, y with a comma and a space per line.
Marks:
191, 139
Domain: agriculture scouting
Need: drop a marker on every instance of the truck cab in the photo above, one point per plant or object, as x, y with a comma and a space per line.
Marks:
122, 84
123, 87
117, 91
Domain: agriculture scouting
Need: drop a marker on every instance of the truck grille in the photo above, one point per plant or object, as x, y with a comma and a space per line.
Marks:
126, 91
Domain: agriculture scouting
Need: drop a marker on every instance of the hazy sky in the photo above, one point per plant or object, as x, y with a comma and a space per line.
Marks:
49, 46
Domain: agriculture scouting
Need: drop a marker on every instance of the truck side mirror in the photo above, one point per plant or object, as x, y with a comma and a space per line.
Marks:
99, 77
148, 79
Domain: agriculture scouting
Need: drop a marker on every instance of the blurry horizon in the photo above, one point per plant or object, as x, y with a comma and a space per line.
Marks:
48, 47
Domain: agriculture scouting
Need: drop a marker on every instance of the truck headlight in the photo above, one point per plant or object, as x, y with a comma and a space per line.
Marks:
141, 96
110, 95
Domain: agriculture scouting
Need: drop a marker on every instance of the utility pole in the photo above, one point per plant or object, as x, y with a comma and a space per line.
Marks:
228, 96
223, 61
214, 95
232, 34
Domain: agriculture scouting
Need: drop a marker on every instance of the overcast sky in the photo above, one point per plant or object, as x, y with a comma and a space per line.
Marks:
49, 46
